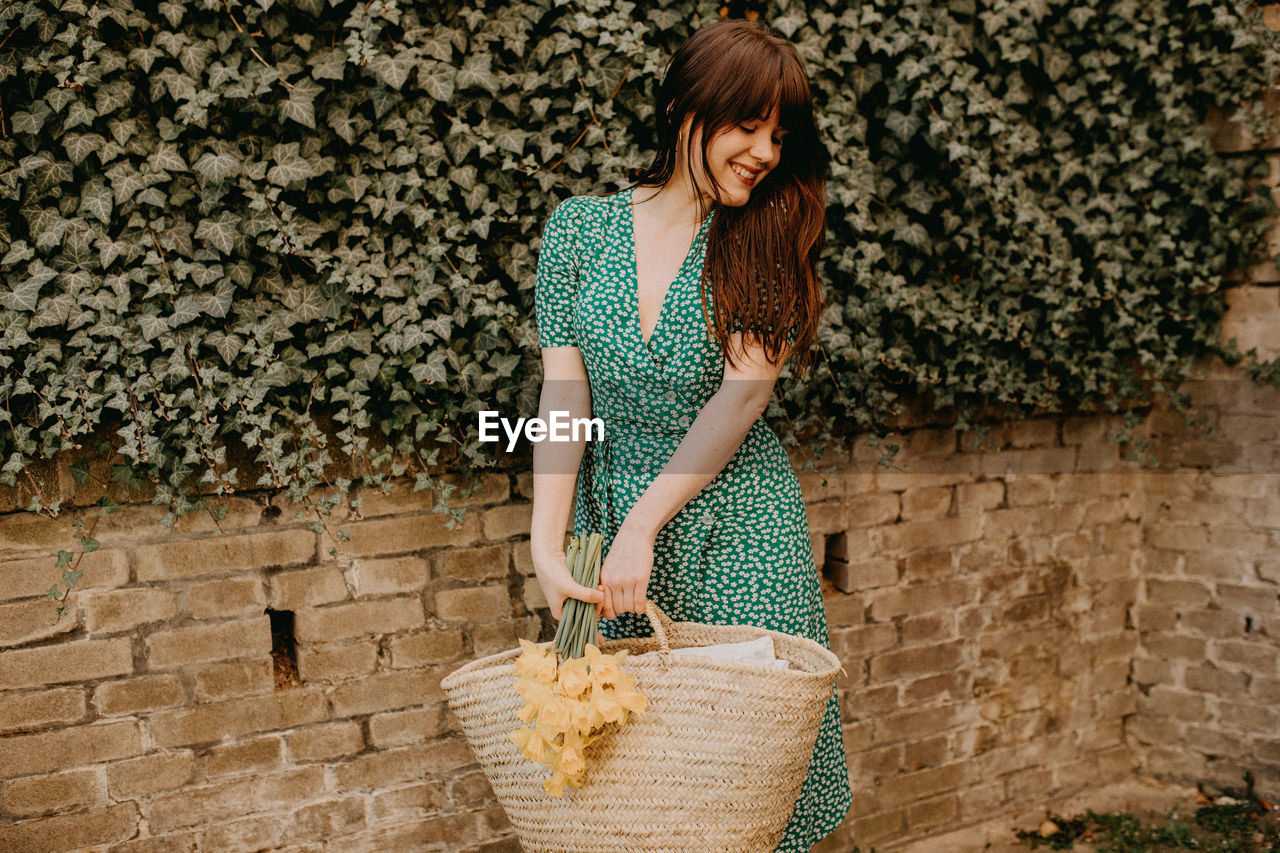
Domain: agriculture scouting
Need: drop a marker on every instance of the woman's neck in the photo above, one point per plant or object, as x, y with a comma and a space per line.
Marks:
675, 202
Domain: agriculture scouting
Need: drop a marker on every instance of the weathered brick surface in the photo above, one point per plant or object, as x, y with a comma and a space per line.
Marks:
27, 621
216, 555
100, 826
240, 638
35, 709
138, 695
26, 577
359, 619
120, 610
45, 752
35, 795
216, 721
82, 660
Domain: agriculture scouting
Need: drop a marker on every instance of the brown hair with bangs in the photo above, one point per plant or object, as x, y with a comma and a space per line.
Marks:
761, 264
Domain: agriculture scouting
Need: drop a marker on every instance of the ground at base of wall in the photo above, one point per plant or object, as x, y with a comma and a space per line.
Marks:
1148, 800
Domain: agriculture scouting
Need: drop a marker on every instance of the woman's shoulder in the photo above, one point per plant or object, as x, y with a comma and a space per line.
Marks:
590, 203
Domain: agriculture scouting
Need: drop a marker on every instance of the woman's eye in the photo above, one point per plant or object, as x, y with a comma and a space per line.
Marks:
747, 129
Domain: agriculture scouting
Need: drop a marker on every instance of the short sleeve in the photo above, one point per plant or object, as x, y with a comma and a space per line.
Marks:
556, 292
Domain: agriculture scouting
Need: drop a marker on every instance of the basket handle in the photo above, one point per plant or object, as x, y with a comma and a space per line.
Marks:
661, 624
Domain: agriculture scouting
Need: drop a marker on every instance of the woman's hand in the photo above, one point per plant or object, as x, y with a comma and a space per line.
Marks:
624, 576
558, 584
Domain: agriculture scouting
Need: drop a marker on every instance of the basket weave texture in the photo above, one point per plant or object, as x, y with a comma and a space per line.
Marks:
713, 765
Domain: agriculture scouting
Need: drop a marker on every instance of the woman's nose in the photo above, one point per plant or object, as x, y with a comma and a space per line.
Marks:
762, 148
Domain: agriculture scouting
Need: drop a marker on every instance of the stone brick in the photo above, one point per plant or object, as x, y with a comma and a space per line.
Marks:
1148, 671
900, 601
1257, 656
389, 576
35, 709
106, 826
65, 662
35, 795
1207, 678
27, 532
1177, 594
45, 752
337, 661
1028, 490
359, 619
387, 691
928, 628
150, 774
504, 522
404, 535
875, 508
205, 804
203, 643
907, 787
138, 695
893, 665
257, 832
224, 554
476, 564
234, 679
476, 604
411, 725
382, 769
28, 577
426, 647
533, 597
864, 574
326, 741
1165, 701
27, 621
257, 755
919, 535
979, 497
308, 588
1211, 623
1043, 460
929, 565
226, 597
407, 802
1177, 537
928, 502
119, 610
327, 819
215, 721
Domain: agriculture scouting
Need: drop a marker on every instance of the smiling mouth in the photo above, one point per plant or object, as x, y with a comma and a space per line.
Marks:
748, 177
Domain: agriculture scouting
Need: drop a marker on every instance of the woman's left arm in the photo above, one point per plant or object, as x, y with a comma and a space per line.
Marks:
712, 440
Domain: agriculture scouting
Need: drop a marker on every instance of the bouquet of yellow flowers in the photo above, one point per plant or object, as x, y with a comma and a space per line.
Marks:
573, 691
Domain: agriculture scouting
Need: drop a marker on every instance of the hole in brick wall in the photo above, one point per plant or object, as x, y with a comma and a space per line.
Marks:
1248, 624
284, 649
835, 563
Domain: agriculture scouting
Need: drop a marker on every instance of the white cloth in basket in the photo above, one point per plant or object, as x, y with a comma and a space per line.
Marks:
759, 650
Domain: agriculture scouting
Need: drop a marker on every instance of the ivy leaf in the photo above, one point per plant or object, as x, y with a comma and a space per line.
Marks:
64, 559
437, 79
24, 296
88, 544
219, 232
216, 167
80, 471
96, 200
152, 325
477, 72
290, 165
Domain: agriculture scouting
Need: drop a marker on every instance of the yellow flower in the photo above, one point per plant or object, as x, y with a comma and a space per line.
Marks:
604, 668
571, 756
607, 704
555, 785
530, 743
555, 713
573, 677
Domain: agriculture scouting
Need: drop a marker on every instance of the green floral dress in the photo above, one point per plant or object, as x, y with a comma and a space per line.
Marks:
738, 553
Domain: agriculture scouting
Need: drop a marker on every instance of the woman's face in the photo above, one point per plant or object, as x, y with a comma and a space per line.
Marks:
739, 158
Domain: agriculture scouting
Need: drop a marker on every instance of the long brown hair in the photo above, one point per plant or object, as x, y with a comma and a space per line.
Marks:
761, 264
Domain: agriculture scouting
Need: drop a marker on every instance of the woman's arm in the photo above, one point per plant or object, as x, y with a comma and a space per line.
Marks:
565, 388
712, 440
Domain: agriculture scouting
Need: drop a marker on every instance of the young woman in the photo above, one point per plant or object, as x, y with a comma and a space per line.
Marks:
667, 310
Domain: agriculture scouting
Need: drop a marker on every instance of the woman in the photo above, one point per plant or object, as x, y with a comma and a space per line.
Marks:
667, 310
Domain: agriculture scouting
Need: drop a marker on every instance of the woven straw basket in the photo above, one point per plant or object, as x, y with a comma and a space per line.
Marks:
715, 763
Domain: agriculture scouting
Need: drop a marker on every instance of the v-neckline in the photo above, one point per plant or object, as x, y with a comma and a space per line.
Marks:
635, 274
